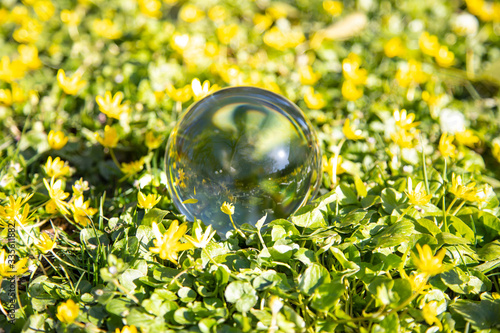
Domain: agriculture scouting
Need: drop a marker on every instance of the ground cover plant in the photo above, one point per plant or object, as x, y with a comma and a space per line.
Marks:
404, 234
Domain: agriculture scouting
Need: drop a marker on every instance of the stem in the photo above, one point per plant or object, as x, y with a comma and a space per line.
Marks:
67, 263
125, 291
424, 166
236, 228
444, 196
451, 205
404, 213
458, 208
112, 153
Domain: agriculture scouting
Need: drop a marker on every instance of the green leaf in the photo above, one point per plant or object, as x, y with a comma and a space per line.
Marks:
154, 215
36, 323
380, 287
186, 294
312, 216
93, 237
463, 283
242, 294
395, 234
370, 200
450, 239
345, 195
392, 200
427, 226
119, 306
482, 315
305, 256
389, 324
127, 278
326, 295
184, 316
314, 276
266, 280
490, 251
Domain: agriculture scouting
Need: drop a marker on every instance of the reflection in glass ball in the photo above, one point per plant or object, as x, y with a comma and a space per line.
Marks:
246, 146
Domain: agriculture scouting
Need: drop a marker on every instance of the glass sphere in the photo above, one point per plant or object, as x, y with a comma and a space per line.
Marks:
245, 146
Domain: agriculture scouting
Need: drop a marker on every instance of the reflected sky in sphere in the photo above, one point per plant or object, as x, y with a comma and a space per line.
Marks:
246, 146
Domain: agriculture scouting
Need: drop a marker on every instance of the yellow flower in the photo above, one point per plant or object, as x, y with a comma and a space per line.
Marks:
70, 85
314, 100
308, 76
150, 8
127, 329
351, 70
350, 91
110, 139
106, 28
404, 120
403, 138
44, 9
333, 166
8, 268
225, 33
179, 95
262, 22
191, 13
79, 187
13, 213
418, 196
351, 133
130, 169
211, 50
201, 239
333, 8
19, 14
394, 48
51, 208
227, 208
444, 57
283, 40
57, 140
29, 56
446, 146
428, 263
57, 194
467, 138
430, 312
11, 71
45, 243
28, 32
495, 150
147, 201
18, 95
70, 18
111, 106
153, 142
200, 91
179, 42
217, 13
418, 281
67, 311
461, 191
5, 97
429, 44
411, 74
167, 245
56, 168
82, 211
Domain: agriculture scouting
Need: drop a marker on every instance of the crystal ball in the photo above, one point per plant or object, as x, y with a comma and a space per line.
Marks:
245, 146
